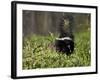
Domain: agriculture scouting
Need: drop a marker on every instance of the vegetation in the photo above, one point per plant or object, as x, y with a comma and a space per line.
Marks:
39, 52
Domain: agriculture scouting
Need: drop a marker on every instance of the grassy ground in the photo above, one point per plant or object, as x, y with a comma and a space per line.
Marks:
38, 52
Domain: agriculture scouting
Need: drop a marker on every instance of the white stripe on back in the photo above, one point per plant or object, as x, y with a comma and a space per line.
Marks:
64, 38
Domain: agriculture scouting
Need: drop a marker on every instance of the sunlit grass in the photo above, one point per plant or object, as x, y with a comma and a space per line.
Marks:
39, 52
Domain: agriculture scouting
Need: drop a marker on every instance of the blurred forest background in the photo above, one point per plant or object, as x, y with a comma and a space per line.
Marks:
41, 28
42, 22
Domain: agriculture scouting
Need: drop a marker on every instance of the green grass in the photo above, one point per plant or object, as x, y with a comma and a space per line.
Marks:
39, 52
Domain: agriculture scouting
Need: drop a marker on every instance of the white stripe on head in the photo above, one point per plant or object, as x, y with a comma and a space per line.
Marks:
64, 38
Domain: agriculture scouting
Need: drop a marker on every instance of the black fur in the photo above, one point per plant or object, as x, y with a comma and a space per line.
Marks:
65, 46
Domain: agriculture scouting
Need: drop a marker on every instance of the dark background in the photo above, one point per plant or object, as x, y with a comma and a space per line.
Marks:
42, 22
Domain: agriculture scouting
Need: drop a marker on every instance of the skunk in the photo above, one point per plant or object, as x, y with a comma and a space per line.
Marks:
65, 42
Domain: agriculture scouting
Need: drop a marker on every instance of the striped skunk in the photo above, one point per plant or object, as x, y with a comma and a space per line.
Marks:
65, 42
